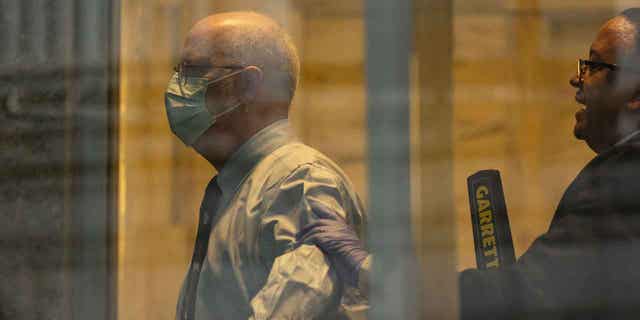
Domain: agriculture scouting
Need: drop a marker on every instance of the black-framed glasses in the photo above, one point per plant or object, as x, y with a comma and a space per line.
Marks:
594, 65
584, 64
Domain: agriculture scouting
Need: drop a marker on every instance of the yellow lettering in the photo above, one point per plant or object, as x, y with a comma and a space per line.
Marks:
485, 217
489, 241
493, 264
483, 204
487, 230
486, 226
481, 192
491, 252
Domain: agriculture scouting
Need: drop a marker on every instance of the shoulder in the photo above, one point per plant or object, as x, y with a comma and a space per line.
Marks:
297, 171
619, 177
298, 162
620, 164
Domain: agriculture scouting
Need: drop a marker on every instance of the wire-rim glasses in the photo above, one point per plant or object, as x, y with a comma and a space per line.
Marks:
185, 71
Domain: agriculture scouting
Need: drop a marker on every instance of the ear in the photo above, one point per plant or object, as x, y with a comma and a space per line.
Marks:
252, 78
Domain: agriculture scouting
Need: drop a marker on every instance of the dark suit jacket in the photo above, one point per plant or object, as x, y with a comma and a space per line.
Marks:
586, 266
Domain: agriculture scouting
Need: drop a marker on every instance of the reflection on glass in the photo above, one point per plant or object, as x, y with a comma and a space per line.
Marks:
101, 201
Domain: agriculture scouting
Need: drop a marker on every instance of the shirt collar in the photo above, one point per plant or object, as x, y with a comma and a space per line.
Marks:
251, 152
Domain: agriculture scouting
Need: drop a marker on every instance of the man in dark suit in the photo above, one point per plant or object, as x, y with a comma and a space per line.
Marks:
587, 265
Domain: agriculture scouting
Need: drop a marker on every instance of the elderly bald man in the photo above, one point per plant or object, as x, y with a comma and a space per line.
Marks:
229, 99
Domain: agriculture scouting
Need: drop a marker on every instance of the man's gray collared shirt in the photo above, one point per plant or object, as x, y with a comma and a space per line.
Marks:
253, 268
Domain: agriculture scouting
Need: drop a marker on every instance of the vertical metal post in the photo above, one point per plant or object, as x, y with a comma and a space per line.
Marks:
388, 43
89, 154
89, 186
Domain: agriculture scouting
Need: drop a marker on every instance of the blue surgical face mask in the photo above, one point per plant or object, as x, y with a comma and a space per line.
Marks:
187, 112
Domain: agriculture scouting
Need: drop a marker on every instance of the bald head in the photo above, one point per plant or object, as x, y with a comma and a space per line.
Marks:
246, 39
618, 39
254, 69
629, 24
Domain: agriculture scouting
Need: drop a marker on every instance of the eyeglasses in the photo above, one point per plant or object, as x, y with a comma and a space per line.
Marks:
592, 65
185, 71
200, 70
595, 65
